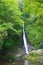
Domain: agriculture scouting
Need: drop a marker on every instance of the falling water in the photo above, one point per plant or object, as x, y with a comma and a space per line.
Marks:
25, 41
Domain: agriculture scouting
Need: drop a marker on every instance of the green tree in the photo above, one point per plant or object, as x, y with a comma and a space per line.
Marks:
33, 17
10, 25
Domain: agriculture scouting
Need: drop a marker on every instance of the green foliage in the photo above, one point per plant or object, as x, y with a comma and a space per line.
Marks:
10, 25
34, 54
34, 21
41, 1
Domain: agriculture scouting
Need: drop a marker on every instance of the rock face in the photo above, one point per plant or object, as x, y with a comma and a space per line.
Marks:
41, 45
20, 54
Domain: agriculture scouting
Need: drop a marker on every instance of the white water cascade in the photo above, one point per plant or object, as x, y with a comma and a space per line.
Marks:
25, 41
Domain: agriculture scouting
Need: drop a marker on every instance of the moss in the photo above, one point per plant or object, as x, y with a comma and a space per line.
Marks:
34, 57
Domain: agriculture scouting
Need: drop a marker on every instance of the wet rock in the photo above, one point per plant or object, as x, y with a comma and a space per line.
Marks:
41, 45
13, 63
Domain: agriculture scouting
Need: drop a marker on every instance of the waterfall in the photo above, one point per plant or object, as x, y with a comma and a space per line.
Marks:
25, 41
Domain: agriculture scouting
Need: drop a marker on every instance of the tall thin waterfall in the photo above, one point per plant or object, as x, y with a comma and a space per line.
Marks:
25, 41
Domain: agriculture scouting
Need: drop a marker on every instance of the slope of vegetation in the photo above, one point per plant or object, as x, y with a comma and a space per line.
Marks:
33, 17
10, 25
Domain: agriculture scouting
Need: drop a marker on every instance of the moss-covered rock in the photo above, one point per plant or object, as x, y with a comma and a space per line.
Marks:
35, 56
